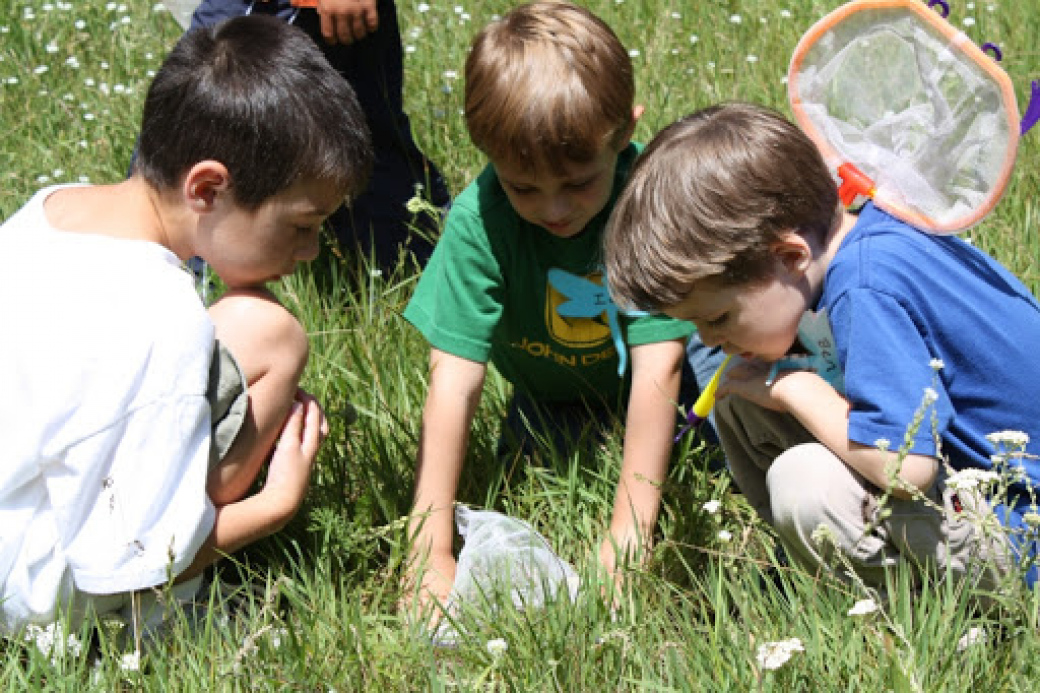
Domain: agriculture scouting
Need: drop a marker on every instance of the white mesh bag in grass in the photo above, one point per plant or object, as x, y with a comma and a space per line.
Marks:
503, 561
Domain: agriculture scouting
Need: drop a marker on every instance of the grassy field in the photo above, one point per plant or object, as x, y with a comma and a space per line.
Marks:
316, 608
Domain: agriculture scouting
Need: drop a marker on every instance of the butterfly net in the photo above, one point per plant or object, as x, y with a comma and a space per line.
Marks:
892, 88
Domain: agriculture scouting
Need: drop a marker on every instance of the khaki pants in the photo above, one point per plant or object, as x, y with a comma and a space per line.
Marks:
796, 484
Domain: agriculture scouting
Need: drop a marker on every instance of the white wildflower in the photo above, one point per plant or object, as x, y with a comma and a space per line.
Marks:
930, 395
773, 655
971, 479
786, 14
823, 534
423, 7
496, 648
693, 39
863, 607
40, 69
937, 365
752, 58
1031, 519
711, 507
976, 635
131, 661
735, 19
883, 444
725, 535
276, 635
80, 24
1015, 439
634, 53
52, 642
969, 21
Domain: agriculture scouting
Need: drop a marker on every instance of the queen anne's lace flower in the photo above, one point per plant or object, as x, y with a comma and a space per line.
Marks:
971, 479
863, 607
773, 655
1014, 439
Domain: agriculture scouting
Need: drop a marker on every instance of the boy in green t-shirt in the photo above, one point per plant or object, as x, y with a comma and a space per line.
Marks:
515, 277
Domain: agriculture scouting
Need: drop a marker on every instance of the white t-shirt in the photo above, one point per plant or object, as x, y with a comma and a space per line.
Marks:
104, 425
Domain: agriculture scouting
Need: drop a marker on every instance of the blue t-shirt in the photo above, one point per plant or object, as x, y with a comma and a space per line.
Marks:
897, 299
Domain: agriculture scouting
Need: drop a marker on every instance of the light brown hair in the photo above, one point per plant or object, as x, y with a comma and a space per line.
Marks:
708, 197
548, 83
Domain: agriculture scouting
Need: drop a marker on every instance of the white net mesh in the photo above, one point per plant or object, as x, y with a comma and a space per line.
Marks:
913, 108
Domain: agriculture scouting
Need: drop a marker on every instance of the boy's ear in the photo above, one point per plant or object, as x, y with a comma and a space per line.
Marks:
637, 113
794, 252
204, 182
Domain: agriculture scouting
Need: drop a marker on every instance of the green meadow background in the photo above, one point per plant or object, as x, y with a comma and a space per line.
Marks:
316, 608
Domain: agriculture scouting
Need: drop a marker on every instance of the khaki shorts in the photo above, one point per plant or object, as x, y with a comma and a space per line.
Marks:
228, 396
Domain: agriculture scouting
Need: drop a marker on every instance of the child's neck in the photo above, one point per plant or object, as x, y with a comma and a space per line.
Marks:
836, 237
130, 210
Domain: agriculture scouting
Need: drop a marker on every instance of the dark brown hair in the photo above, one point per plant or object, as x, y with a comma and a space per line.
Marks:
708, 197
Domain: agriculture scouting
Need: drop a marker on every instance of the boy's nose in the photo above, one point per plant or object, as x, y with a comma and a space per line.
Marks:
557, 208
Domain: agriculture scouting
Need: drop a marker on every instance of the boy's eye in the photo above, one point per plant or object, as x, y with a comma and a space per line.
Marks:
517, 190
580, 185
717, 322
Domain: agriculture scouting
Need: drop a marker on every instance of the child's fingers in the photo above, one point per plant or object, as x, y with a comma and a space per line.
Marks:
314, 425
292, 430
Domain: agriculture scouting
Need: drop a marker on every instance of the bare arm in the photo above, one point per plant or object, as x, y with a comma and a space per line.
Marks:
245, 521
649, 430
825, 414
451, 403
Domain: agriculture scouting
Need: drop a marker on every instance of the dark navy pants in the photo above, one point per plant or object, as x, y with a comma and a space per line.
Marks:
377, 222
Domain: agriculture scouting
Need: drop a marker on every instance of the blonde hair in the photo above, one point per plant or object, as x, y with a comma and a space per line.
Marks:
548, 83
708, 197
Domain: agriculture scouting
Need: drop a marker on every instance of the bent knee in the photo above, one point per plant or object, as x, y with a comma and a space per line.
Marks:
807, 485
261, 333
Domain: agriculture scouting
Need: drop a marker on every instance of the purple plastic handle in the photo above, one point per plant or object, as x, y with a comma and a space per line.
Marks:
943, 4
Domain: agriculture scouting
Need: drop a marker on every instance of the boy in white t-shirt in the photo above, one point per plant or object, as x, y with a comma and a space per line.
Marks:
134, 421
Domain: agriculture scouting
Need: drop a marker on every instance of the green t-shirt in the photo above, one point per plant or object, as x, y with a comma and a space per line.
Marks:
488, 294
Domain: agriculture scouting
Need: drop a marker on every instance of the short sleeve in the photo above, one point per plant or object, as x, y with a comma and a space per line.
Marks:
887, 369
649, 329
458, 300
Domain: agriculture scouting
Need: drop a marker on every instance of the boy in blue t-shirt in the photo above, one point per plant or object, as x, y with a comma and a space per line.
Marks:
515, 278
731, 220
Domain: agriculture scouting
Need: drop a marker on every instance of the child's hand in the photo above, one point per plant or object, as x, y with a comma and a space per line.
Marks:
435, 582
289, 470
347, 21
750, 379
624, 548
